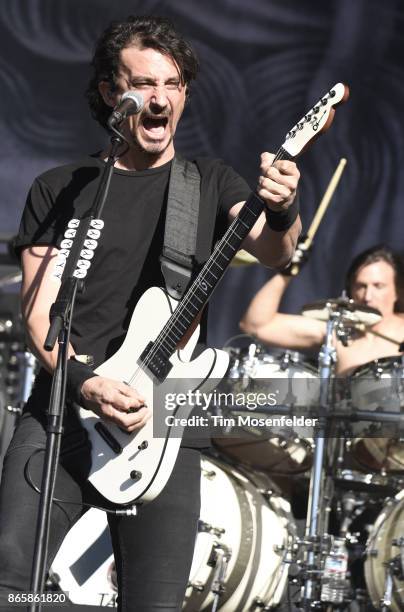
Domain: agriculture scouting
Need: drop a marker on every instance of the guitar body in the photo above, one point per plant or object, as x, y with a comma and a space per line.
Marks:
136, 475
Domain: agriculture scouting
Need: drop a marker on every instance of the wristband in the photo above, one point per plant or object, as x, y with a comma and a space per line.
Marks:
77, 374
284, 219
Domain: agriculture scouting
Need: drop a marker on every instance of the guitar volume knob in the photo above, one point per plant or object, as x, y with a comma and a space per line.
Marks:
135, 475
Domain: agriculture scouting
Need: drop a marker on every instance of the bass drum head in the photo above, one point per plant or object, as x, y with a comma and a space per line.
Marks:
254, 532
241, 531
84, 567
380, 550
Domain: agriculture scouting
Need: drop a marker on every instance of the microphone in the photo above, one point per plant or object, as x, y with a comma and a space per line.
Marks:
130, 103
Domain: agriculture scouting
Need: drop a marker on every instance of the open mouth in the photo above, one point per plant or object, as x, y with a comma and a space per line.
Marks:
155, 125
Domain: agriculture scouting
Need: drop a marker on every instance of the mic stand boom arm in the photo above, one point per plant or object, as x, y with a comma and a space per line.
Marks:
72, 269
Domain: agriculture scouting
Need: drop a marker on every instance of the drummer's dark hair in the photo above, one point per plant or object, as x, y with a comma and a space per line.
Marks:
376, 253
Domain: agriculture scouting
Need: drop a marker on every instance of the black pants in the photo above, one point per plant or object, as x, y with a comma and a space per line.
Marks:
153, 551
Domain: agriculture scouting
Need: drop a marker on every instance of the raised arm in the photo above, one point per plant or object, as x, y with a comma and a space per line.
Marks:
263, 320
274, 236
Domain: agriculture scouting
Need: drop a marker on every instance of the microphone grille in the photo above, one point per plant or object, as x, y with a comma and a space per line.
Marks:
136, 98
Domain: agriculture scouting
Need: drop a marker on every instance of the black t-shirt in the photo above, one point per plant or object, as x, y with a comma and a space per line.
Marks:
126, 261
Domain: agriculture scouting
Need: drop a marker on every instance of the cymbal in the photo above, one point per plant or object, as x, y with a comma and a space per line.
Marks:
243, 258
350, 311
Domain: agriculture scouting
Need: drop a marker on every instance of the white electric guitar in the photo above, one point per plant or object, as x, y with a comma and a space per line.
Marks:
133, 468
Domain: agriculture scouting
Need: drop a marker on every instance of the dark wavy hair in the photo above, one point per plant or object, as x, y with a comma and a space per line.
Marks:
379, 253
147, 32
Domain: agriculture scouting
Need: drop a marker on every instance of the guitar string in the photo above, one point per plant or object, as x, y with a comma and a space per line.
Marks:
178, 312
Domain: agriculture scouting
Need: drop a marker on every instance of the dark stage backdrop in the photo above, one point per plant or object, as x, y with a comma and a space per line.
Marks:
264, 63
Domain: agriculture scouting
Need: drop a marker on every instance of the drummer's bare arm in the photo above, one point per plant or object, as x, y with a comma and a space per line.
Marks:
263, 320
38, 292
277, 187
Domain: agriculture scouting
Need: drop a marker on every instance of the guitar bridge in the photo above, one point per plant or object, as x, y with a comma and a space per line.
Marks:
155, 360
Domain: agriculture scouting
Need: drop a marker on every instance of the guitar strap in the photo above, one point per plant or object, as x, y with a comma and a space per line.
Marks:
181, 240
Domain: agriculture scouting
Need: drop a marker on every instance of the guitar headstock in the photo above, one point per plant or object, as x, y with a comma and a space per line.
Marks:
316, 121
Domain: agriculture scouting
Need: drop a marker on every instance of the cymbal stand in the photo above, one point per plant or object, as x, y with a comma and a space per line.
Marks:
314, 539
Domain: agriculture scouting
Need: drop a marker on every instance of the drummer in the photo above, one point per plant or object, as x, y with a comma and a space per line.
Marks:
375, 279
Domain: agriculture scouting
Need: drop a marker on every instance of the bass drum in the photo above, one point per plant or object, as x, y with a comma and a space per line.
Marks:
244, 535
295, 382
245, 531
381, 548
378, 385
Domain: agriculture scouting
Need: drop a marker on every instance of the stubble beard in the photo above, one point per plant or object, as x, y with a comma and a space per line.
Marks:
150, 150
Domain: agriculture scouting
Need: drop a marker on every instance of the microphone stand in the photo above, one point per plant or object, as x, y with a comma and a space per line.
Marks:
60, 315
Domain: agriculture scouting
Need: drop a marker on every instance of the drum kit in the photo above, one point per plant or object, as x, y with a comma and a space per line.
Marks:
351, 554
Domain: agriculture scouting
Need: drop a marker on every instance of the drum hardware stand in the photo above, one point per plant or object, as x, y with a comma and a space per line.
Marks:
348, 506
287, 359
343, 333
314, 551
219, 559
248, 365
386, 600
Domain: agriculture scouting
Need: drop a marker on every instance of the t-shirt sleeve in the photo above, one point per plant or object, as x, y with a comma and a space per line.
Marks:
38, 222
232, 189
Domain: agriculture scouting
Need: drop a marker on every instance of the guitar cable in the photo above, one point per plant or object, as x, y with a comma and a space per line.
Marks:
131, 511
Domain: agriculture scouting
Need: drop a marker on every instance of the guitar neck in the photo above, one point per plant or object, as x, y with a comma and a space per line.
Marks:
208, 278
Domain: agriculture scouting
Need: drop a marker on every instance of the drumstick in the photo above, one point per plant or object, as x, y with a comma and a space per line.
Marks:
329, 192
363, 328
322, 207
